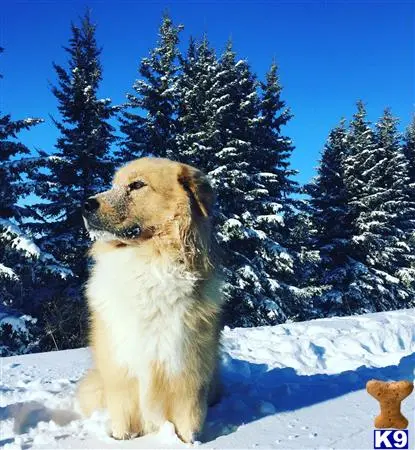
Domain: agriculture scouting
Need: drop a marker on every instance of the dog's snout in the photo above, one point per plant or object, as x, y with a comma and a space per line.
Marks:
91, 205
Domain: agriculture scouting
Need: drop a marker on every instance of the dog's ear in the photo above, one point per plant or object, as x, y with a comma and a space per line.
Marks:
200, 192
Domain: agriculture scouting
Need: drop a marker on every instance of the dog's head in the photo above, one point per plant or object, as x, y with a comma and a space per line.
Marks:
152, 198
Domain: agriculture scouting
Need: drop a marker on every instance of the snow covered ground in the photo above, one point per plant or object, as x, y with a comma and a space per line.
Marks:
298, 385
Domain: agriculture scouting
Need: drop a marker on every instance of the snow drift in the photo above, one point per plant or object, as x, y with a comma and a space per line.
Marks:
299, 385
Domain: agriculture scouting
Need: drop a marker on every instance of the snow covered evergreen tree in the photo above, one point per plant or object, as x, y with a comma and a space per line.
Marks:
196, 111
375, 175
274, 116
288, 223
249, 290
409, 152
17, 266
332, 224
224, 132
82, 164
329, 197
25, 271
398, 203
361, 212
154, 93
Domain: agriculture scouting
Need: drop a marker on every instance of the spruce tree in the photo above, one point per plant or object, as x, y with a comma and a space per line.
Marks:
375, 173
25, 271
409, 152
286, 218
274, 116
233, 129
329, 197
195, 93
223, 132
20, 274
398, 203
331, 224
155, 94
82, 164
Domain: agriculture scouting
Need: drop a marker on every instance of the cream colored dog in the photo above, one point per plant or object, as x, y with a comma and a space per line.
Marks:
154, 300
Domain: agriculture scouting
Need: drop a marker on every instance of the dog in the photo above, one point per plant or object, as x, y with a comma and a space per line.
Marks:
154, 300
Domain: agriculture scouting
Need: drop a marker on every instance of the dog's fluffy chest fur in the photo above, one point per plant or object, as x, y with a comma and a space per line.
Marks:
143, 303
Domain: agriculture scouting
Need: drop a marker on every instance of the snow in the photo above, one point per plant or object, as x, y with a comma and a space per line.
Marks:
7, 272
217, 171
266, 175
234, 223
222, 108
26, 245
20, 242
18, 323
33, 160
271, 218
241, 62
291, 386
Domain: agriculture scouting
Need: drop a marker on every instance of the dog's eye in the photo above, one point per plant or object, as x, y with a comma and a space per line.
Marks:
135, 185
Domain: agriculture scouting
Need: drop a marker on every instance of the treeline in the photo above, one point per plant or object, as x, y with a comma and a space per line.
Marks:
342, 244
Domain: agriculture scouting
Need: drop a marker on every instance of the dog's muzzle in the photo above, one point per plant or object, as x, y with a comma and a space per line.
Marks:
98, 228
99, 232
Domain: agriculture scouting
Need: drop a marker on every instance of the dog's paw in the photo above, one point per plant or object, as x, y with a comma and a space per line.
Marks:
121, 435
188, 437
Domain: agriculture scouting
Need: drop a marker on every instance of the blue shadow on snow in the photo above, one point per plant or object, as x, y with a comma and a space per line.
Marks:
251, 391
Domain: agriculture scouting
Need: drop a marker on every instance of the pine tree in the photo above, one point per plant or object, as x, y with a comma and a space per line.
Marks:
375, 173
409, 152
25, 271
332, 224
329, 197
82, 164
223, 132
195, 93
18, 276
233, 131
155, 93
275, 115
398, 203
290, 227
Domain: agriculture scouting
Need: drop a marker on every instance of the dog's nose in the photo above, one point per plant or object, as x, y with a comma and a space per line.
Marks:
91, 205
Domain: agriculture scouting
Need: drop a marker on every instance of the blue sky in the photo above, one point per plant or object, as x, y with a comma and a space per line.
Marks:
330, 54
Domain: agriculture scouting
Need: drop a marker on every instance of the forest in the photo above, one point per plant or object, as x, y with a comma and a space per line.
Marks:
341, 244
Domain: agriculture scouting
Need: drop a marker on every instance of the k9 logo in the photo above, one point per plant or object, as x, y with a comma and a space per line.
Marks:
391, 439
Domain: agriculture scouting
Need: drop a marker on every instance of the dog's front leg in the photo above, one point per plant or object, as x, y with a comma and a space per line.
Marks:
122, 402
189, 411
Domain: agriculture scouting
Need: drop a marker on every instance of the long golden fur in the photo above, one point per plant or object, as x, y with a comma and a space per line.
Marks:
154, 300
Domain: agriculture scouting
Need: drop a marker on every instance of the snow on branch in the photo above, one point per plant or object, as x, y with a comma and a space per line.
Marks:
24, 244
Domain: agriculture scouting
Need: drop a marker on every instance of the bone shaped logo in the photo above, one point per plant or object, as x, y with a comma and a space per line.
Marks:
390, 396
